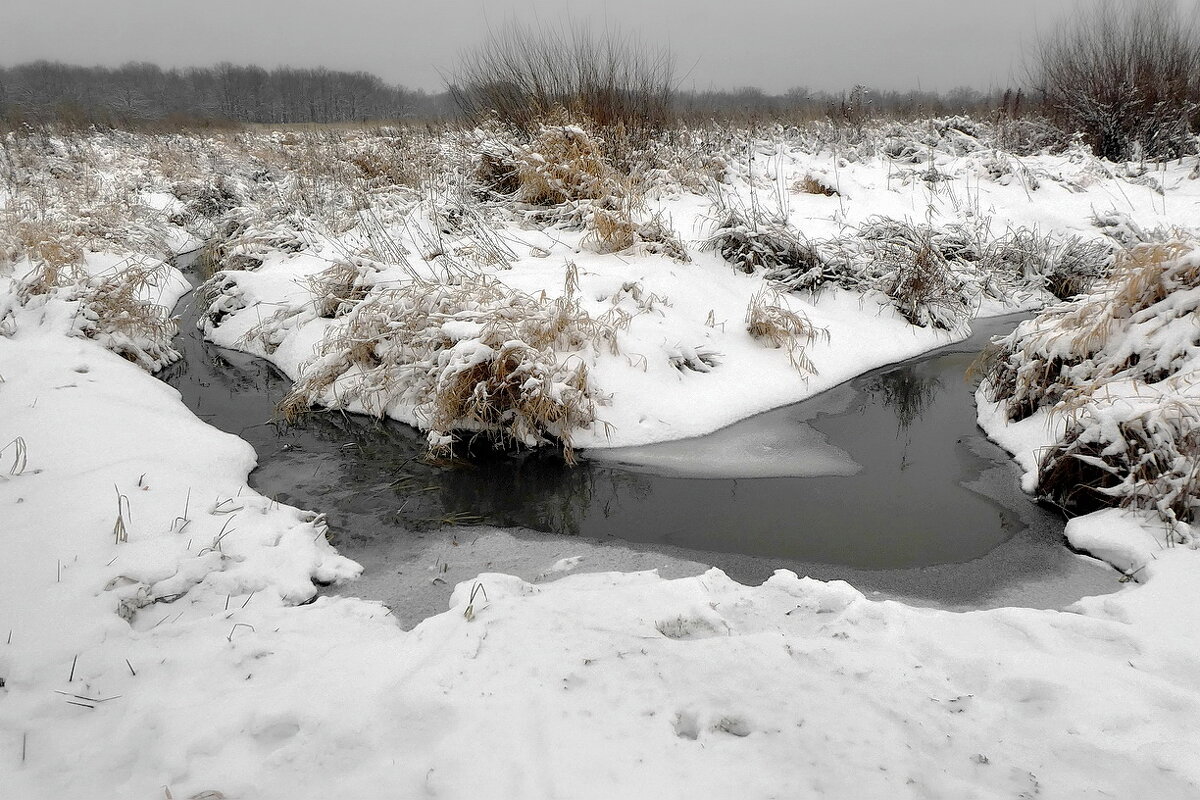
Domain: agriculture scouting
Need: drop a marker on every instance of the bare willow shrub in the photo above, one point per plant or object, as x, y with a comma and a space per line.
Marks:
1126, 76
521, 75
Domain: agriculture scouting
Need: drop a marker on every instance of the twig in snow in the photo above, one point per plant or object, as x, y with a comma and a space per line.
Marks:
19, 455
235, 627
120, 527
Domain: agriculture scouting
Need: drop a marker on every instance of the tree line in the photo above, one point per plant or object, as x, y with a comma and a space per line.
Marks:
140, 92
136, 92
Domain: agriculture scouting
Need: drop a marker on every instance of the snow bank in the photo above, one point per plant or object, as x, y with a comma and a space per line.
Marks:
157, 641
178, 661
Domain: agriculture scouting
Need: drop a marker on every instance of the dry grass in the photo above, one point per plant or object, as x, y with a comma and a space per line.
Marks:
1066, 354
1123, 362
751, 239
811, 184
566, 172
923, 284
117, 309
473, 357
770, 320
1149, 460
616, 230
562, 161
341, 287
46, 243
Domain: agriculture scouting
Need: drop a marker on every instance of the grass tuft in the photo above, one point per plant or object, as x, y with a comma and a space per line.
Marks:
770, 320
473, 357
1124, 363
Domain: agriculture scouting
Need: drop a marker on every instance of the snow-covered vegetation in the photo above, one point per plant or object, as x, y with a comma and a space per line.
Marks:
575, 287
1117, 372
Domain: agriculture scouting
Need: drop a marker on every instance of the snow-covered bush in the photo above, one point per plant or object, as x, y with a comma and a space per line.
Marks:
922, 284
1063, 265
1138, 325
751, 238
1140, 452
934, 276
1127, 77
474, 356
117, 308
1124, 361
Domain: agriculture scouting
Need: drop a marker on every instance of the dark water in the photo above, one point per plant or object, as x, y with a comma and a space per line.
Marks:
932, 514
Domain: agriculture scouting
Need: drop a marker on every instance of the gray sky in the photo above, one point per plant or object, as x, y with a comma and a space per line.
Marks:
773, 44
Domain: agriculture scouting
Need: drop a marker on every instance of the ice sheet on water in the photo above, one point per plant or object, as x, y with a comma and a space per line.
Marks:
767, 446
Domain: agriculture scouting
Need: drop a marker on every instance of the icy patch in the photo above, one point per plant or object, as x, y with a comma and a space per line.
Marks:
760, 447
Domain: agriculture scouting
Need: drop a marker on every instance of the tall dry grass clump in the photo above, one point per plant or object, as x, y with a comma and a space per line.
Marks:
1134, 326
118, 309
565, 175
563, 163
770, 320
48, 243
1129, 454
1124, 363
750, 239
922, 284
1127, 76
472, 357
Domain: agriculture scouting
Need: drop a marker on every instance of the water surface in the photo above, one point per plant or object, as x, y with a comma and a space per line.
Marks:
920, 504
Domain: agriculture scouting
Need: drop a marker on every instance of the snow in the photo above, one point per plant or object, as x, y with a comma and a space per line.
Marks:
1026, 439
158, 639
677, 310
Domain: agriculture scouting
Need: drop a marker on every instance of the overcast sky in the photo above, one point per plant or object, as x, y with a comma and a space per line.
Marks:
773, 44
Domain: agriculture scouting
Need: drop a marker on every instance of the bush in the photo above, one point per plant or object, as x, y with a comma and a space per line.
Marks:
1127, 78
522, 76
473, 357
1122, 361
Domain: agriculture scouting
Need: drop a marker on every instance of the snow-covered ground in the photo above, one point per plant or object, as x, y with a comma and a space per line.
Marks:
674, 358
156, 639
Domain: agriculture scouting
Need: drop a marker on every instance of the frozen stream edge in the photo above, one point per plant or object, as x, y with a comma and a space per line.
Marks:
413, 573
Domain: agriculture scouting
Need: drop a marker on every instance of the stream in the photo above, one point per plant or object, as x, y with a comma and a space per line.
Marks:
884, 481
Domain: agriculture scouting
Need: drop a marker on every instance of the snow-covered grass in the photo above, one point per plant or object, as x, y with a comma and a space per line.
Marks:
1115, 377
474, 355
925, 225
153, 640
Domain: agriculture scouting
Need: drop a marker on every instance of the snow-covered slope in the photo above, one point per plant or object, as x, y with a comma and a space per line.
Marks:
155, 641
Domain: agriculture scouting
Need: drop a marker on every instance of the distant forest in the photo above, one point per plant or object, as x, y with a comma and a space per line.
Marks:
139, 92
45, 90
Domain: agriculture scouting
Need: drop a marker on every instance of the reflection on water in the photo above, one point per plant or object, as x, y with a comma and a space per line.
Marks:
908, 482
906, 392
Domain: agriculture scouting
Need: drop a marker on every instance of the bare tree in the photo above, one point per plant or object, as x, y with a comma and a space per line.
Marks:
1126, 76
